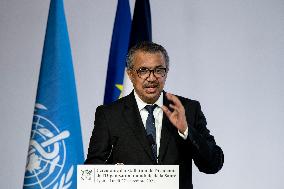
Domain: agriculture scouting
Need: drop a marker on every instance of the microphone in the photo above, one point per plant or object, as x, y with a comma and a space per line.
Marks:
115, 139
152, 142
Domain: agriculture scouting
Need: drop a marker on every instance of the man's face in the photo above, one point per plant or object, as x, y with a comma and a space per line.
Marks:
149, 88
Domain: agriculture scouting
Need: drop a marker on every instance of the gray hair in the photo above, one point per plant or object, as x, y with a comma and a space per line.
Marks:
148, 47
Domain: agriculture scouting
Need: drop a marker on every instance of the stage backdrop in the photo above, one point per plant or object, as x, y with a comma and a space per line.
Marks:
227, 54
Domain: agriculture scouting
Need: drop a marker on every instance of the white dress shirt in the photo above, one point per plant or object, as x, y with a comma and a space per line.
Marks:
158, 115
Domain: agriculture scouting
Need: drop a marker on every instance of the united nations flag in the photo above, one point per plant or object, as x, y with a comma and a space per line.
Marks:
55, 143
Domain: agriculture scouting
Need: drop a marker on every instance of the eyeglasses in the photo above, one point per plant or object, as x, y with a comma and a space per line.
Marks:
146, 72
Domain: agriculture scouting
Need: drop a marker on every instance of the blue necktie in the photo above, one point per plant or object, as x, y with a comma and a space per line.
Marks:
151, 129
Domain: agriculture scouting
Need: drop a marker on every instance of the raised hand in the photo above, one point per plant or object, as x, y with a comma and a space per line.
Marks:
177, 116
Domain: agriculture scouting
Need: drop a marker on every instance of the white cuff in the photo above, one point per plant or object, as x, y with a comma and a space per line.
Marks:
184, 135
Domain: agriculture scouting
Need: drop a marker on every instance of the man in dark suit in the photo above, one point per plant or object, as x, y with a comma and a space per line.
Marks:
151, 126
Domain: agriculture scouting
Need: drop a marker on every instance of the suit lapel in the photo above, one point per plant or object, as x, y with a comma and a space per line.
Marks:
134, 121
166, 132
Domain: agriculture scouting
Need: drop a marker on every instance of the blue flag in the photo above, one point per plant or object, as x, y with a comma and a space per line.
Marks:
55, 143
141, 28
118, 51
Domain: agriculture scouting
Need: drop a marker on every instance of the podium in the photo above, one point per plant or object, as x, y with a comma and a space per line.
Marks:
127, 176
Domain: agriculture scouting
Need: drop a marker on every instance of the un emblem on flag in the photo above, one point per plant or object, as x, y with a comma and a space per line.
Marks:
47, 155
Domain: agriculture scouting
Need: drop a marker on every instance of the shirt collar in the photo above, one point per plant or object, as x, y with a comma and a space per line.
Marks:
141, 104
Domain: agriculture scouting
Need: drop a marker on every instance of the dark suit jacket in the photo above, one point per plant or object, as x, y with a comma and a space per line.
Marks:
120, 137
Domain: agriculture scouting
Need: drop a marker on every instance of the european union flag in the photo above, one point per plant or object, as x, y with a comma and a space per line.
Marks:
55, 142
118, 51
